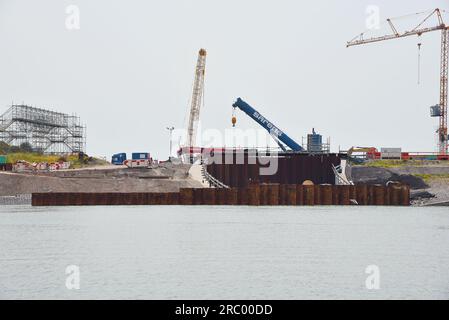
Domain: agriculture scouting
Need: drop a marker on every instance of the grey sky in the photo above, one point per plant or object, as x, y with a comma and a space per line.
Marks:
128, 71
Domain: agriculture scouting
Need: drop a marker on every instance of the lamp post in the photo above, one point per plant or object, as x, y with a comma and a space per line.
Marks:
171, 132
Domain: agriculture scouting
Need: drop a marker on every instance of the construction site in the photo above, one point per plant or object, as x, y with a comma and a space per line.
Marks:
361, 175
44, 130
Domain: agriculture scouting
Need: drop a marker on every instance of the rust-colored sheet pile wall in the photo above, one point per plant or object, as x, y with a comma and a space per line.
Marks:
253, 195
240, 169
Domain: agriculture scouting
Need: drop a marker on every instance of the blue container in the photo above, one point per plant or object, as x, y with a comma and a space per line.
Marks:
140, 155
118, 158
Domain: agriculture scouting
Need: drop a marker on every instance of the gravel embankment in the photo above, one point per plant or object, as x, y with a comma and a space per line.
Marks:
164, 178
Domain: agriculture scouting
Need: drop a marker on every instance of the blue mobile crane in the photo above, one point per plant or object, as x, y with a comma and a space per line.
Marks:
281, 138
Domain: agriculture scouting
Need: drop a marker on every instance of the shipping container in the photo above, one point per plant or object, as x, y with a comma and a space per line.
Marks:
391, 153
118, 158
140, 155
390, 150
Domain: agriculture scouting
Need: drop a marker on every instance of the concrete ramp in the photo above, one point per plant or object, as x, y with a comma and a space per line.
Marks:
195, 173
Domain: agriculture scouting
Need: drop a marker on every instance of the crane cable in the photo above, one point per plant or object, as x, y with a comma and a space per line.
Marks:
419, 63
428, 14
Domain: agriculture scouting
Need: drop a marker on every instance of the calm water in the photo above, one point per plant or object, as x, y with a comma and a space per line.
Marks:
224, 253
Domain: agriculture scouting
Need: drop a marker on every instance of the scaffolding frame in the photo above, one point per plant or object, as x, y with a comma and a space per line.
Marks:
46, 131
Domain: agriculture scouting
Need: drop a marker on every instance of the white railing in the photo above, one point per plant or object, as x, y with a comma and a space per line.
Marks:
210, 179
340, 177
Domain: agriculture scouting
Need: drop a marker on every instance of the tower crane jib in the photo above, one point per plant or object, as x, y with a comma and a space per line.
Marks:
419, 30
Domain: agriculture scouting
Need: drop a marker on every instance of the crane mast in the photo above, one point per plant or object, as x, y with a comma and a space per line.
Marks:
419, 30
197, 98
442, 129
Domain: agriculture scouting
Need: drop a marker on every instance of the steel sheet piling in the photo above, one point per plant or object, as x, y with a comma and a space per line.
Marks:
405, 195
242, 196
335, 195
362, 194
394, 190
299, 195
198, 196
326, 194
208, 195
186, 196
379, 195
220, 196
317, 194
231, 197
352, 193
344, 195
309, 195
282, 194
263, 195
291, 195
253, 195
273, 194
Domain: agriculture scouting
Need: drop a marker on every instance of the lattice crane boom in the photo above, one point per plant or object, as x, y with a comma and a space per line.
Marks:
197, 98
419, 30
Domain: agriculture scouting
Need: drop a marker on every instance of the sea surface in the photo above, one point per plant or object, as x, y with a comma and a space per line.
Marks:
163, 252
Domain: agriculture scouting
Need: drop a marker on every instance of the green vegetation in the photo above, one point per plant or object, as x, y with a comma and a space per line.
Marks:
399, 163
430, 177
76, 163
387, 163
6, 148
25, 152
30, 157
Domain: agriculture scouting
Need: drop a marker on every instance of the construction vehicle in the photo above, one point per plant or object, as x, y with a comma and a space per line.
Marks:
281, 138
439, 110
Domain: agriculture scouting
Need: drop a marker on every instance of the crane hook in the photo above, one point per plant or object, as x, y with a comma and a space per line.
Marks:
234, 119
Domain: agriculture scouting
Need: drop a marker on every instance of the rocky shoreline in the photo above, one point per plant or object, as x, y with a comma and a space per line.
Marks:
429, 183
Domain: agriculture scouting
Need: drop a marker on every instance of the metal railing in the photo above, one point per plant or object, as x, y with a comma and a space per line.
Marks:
340, 178
210, 179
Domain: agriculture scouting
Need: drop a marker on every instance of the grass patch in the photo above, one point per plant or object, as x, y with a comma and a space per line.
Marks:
387, 163
31, 157
401, 163
430, 177
38, 157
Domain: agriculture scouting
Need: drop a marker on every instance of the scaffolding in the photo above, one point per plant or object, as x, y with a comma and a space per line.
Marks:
44, 130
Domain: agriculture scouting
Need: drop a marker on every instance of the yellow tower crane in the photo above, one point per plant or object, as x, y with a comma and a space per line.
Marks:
439, 110
197, 98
